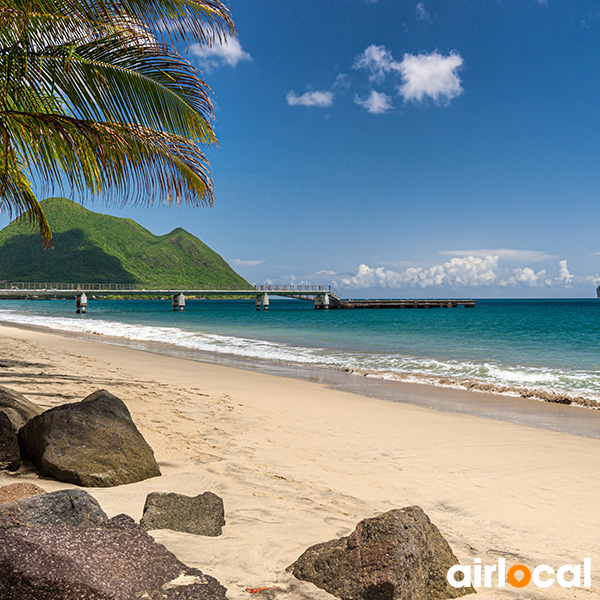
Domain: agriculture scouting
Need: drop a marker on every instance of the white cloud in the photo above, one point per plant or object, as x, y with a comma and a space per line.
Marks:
421, 12
230, 52
423, 76
241, 262
503, 253
430, 75
316, 98
564, 275
376, 103
527, 277
378, 60
342, 82
457, 272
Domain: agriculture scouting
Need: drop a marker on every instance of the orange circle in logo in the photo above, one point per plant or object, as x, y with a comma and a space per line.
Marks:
512, 578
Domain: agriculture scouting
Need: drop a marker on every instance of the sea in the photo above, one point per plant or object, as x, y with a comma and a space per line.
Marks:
529, 348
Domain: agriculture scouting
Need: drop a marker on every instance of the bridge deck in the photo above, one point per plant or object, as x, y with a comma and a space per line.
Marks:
323, 296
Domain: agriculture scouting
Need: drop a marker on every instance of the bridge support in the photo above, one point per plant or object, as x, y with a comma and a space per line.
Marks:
263, 300
80, 303
322, 301
178, 301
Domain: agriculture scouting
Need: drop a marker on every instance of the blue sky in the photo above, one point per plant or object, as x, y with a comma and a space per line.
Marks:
405, 148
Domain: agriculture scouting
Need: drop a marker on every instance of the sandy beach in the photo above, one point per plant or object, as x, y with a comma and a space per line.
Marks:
297, 463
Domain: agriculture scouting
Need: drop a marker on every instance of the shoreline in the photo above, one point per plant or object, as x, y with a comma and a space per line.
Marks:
479, 400
298, 463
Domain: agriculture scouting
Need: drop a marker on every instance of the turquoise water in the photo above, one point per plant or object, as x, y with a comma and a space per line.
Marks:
550, 345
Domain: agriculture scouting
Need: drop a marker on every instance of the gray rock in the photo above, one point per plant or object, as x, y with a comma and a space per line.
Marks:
116, 561
74, 508
10, 455
201, 515
400, 555
16, 407
92, 443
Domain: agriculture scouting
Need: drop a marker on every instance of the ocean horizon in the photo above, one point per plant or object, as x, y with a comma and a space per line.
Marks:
538, 348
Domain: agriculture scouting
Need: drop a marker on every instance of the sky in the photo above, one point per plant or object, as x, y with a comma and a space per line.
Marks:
404, 148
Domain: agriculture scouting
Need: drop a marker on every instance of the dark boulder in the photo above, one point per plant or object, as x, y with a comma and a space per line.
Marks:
201, 515
74, 508
10, 454
116, 561
17, 491
16, 407
92, 443
400, 555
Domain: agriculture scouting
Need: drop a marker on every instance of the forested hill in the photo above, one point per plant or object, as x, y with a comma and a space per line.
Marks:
91, 247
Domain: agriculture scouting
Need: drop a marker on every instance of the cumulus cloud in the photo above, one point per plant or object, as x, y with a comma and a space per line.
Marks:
317, 98
527, 277
457, 272
376, 103
503, 253
230, 52
242, 262
430, 75
421, 12
423, 76
564, 275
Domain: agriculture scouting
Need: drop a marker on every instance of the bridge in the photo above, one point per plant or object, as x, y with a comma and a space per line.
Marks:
322, 296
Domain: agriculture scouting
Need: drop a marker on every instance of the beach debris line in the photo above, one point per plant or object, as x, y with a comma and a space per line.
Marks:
400, 554
117, 560
92, 443
201, 515
64, 508
10, 454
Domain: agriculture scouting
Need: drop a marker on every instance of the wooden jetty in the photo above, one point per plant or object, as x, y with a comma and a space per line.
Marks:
322, 296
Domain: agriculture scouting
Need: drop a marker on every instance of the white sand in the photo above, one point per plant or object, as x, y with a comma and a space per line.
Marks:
297, 464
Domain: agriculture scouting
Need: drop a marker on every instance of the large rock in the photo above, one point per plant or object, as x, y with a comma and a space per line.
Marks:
90, 443
10, 455
202, 515
16, 407
17, 491
74, 508
117, 561
400, 555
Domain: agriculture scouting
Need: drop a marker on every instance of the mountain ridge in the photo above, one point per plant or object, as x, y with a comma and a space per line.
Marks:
94, 247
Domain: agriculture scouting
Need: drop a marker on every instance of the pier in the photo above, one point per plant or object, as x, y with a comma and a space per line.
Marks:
323, 297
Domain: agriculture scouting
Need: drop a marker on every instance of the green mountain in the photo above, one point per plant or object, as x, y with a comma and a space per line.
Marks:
93, 248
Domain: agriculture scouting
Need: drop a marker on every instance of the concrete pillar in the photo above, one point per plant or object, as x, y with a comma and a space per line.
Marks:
318, 302
178, 301
326, 301
81, 303
265, 301
258, 301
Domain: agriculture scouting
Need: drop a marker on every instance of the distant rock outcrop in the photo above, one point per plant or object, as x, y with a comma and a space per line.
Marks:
116, 561
400, 555
74, 508
201, 515
92, 443
17, 491
16, 407
10, 455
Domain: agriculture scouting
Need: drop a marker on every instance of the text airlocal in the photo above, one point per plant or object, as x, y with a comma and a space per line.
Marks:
520, 576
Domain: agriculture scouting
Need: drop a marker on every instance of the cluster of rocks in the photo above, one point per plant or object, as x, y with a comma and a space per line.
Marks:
62, 546
92, 443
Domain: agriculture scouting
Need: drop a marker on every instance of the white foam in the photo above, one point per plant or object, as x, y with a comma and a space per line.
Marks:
448, 373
